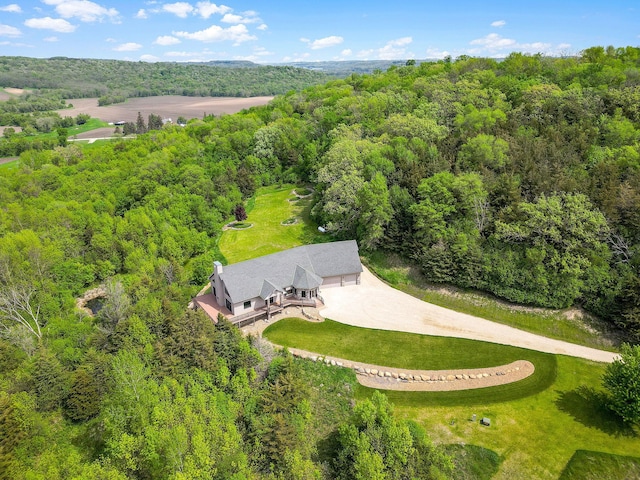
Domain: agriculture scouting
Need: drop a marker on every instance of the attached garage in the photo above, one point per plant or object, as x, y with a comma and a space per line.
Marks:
335, 281
341, 280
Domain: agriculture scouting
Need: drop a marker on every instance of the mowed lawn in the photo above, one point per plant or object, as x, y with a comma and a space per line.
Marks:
537, 424
268, 234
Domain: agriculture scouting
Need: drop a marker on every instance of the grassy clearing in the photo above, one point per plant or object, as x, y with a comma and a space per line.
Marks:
10, 163
547, 322
536, 427
597, 465
268, 235
473, 462
91, 124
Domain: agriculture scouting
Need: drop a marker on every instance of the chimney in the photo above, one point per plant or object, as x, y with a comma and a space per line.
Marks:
217, 287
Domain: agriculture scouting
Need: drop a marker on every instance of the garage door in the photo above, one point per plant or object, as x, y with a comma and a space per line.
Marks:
350, 279
340, 280
332, 281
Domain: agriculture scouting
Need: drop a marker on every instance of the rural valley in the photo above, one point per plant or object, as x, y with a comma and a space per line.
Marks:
337, 269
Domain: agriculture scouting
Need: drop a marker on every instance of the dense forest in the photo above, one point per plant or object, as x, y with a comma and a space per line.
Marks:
118, 79
519, 177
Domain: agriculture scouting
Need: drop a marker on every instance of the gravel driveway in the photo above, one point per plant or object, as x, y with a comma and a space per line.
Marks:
374, 304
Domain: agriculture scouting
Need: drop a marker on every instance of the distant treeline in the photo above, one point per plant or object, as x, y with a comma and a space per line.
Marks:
85, 78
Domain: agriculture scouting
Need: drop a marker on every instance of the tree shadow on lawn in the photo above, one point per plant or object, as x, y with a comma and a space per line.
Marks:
589, 407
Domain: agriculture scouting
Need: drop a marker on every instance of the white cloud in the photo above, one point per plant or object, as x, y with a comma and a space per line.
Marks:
13, 8
84, 10
297, 57
9, 31
48, 23
179, 9
206, 9
498, 46
498, 23
128, 47
182, 54
435, 53
394, 49
142, 14
493, 41
256, 56
12, 44
263, 27
111, 40
215, 33
247, 17
51, 39
346, 52
166, 40
325, 42
149, 58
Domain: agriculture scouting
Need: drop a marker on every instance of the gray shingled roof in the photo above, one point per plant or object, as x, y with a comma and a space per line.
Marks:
304, 279
245, 280
268, 289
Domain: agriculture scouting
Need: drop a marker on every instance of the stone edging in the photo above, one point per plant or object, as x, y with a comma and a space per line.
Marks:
386, 378
81, 302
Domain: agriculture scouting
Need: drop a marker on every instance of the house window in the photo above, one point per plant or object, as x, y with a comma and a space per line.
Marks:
304, 294
214, 291
247, 304
228, 304
271, 299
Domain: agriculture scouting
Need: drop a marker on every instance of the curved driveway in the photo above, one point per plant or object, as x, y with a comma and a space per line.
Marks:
374, 304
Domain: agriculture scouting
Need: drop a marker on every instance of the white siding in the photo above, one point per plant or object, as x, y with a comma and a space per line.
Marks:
238, 308
350, 279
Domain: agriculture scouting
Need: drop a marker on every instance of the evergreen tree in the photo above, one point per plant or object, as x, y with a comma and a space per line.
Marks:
140, 126
83, 401
49, 380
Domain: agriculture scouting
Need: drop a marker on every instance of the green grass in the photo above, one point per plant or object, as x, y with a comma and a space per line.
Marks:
547, 322
91, 124
586, 465
268, 235
419, 352
537, 424
303, 191
12, 165
473, 462
241, 225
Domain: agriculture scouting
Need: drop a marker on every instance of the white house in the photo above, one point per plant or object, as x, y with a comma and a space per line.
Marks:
293, 276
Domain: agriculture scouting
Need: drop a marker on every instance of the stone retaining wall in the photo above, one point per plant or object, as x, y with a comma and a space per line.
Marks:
386, 378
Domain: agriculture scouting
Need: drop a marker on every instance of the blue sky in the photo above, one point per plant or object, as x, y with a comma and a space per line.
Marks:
271, 32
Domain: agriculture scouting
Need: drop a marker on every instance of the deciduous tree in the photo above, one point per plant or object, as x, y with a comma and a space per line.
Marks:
622, 380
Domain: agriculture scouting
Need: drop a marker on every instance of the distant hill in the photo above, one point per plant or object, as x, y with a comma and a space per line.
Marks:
117, 79
344, 68
337, 68
78, 77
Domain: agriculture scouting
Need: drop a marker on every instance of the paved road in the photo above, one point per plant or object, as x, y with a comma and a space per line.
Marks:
374, 304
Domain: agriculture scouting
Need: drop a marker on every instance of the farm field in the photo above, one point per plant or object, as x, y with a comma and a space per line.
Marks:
168, 106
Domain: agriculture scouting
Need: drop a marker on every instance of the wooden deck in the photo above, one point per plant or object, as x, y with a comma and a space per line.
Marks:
209, 305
